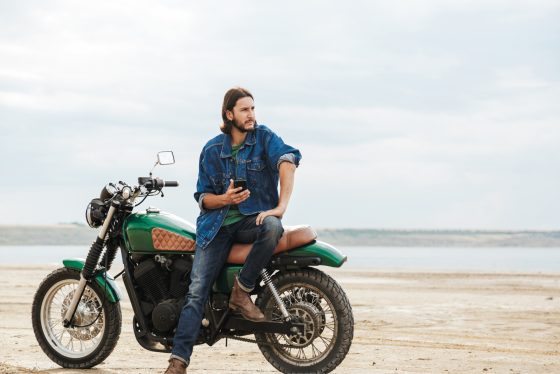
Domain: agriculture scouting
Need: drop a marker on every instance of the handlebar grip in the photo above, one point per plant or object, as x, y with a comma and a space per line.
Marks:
156, 183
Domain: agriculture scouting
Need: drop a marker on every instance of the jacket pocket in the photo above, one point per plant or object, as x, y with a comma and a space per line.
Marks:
219, 182
256, 165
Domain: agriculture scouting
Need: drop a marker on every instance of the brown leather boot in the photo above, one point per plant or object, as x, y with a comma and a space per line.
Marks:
176, 367
239, 300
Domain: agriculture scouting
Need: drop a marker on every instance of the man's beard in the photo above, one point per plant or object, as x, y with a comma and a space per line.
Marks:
243, 129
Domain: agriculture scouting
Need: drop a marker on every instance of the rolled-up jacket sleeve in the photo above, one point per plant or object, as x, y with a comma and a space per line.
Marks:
288, 157
278, 152
200, 203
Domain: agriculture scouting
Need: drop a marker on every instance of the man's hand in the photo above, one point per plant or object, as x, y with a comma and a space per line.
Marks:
276, 212
234, 196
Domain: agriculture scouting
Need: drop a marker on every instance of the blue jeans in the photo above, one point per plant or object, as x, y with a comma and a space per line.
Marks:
207, 265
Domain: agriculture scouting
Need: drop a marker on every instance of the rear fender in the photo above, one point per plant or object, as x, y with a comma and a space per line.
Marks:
313, 254
329, 255
112, 291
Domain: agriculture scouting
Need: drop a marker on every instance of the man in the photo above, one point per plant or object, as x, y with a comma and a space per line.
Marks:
256, 156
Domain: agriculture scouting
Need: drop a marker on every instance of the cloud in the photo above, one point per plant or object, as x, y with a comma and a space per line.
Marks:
436, 114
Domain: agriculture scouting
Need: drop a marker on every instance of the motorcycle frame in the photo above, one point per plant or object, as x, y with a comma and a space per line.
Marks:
218, 319
221, 323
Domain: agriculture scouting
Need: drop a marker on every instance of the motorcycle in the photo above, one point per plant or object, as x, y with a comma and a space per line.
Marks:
76, 312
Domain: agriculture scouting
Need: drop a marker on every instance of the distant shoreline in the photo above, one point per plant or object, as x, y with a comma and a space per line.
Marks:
77, 234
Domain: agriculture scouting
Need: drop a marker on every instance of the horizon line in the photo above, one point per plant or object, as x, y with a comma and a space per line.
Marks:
408, 229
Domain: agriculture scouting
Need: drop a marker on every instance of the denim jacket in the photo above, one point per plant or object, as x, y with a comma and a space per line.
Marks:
257, 162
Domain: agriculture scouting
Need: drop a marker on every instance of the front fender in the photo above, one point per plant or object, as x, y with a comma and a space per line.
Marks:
329, 255
112, 291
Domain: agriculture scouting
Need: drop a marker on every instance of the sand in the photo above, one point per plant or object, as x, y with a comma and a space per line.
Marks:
405, 322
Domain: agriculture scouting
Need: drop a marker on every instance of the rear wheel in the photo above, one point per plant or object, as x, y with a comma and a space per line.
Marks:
315, 299
97, 321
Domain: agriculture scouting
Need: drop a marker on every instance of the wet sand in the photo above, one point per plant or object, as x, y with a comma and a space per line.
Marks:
405, 322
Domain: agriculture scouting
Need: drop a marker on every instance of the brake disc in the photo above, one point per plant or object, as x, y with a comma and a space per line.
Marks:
85, 315
308, 314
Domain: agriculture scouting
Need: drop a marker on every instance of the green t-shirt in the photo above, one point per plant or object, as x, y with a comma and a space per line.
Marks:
233, 215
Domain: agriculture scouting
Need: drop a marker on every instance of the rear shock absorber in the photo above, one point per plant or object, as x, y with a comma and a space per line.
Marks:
268, 282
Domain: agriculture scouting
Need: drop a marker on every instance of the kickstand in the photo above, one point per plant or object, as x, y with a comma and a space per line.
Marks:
226, 341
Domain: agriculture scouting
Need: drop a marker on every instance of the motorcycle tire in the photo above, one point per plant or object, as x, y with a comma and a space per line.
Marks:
97, 318
314, 298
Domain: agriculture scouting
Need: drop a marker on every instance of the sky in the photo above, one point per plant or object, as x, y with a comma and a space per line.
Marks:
409, 115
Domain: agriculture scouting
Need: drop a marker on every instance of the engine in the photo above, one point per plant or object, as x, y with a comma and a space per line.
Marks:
164, 281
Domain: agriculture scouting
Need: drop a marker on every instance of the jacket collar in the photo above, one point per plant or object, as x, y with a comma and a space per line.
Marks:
251, 139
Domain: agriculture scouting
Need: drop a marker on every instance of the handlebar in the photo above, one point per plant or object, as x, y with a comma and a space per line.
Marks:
156, 183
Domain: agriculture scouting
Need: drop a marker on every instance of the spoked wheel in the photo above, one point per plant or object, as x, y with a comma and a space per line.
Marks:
316, 300
97, 321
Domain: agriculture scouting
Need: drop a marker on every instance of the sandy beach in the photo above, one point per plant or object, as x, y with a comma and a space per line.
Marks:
405, 322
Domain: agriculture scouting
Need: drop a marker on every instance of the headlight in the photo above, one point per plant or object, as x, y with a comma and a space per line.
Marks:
96, 212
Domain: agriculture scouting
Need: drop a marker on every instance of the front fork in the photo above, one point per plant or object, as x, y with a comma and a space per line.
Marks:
89, 266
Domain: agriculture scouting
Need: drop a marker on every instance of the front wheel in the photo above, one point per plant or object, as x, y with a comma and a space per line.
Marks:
97, 320
315, 299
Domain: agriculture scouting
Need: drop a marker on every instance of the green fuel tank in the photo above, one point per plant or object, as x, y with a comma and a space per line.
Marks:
154, 231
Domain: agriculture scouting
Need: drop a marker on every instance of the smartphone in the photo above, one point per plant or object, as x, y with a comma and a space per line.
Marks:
240, 183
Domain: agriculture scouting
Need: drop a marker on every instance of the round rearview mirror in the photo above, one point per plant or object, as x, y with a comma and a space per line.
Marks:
165, 158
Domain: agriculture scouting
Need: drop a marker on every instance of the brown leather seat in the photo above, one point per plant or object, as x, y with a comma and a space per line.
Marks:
293, 237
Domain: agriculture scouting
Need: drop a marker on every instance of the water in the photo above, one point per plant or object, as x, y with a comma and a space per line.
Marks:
42, 254
518, 259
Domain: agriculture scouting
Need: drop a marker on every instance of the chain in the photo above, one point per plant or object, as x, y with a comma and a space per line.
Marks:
247, 340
